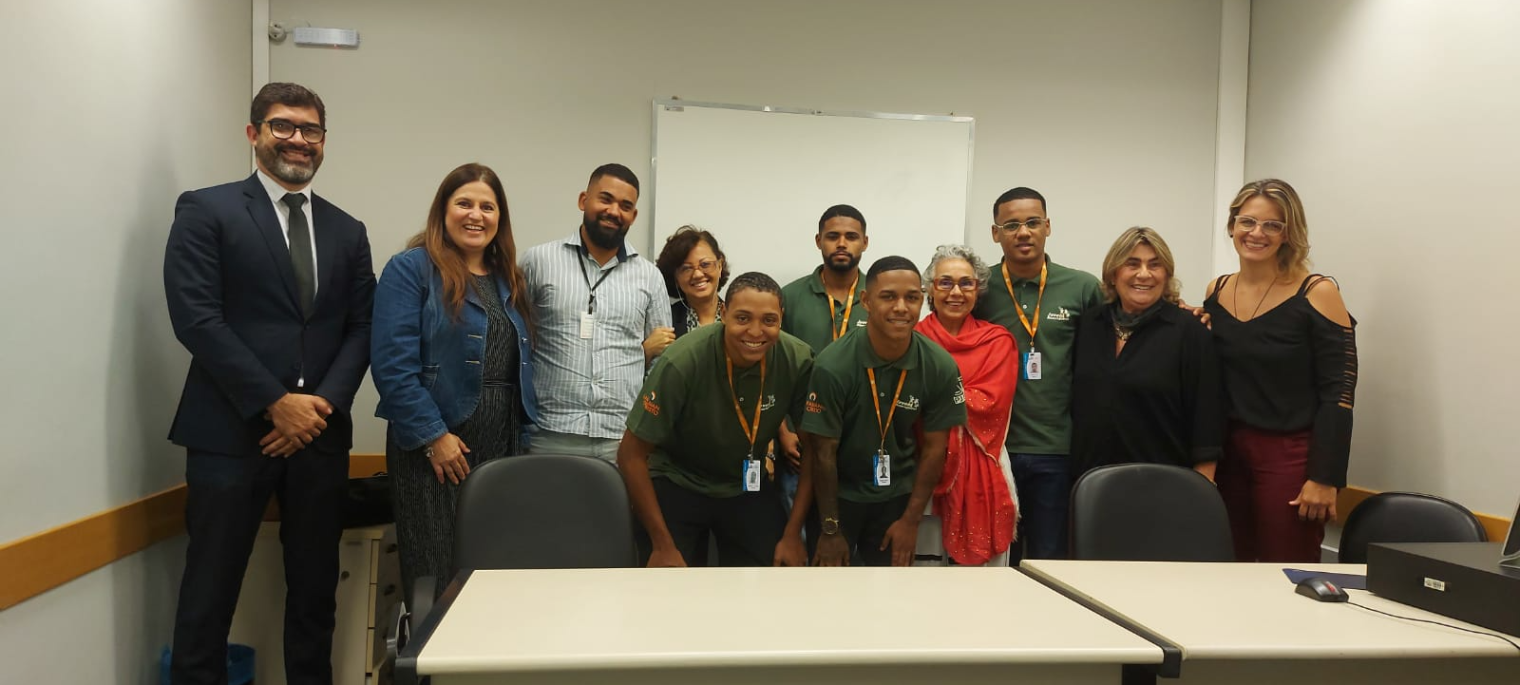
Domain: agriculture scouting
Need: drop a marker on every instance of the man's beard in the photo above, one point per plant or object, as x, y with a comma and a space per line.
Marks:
601, 236
838, 268
269, 156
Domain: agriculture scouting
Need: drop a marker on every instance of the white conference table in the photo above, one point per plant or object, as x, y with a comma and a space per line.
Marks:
766, 625
1245, 624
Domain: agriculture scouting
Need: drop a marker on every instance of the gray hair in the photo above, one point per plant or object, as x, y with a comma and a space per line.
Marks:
943, 252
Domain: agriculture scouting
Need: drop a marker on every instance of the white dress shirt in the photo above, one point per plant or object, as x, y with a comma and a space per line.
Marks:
277, 194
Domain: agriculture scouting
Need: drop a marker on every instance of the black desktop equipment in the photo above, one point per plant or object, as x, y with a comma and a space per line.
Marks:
1462, 580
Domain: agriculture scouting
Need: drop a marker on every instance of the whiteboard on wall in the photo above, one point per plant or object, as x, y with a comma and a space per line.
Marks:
759, 178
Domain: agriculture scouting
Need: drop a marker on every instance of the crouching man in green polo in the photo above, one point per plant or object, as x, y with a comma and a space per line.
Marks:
878, 416
693, 456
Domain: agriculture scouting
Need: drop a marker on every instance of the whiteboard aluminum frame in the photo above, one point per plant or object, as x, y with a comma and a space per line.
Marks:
654, 146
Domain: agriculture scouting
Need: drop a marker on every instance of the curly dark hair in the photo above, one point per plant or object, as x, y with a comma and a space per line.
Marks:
680, 244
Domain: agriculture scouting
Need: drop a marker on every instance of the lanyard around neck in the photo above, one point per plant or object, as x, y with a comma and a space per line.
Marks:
751, 432
1017, 309
902, 375
849, 302
591, 298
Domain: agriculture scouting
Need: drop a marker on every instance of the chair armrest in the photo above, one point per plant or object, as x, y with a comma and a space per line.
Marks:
397, 633
424, 589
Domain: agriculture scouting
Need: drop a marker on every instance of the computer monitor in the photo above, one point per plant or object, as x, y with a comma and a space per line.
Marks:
1510, 556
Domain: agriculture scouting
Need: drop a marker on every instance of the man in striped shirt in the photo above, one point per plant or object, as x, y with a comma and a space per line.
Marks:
603, 315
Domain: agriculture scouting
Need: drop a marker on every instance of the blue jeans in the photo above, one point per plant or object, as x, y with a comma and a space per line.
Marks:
1044, 485
788, 481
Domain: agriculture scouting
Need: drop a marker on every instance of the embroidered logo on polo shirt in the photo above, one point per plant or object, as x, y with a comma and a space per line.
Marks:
650, 406
960, 392
1061, 314
860, 323
909, 403
813, 406
767, 403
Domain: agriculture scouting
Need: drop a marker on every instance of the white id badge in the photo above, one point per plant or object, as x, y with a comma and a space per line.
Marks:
1032, 366
588, 322
752, 475
881, 464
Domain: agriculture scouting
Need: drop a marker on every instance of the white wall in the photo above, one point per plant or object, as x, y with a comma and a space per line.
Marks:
1106, 106
1396, 121
111, 110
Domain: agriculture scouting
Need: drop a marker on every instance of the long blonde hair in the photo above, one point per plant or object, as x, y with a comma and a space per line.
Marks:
1293, 254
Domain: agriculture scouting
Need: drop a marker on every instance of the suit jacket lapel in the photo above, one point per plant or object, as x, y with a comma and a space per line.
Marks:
325, 233
268, 223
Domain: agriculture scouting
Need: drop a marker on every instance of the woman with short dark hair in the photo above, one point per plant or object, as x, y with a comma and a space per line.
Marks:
695, 271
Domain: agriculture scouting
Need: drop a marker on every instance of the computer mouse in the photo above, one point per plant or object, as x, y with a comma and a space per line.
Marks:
1322, 590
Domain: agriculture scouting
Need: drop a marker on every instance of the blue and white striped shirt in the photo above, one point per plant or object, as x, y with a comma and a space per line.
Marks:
587, 386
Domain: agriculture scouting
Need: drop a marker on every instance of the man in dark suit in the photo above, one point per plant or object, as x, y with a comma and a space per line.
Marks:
270, 287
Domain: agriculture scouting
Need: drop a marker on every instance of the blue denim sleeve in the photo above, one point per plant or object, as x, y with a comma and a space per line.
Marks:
396, 352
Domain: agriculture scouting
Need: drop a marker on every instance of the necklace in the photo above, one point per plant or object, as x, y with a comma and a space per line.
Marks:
1235, 297
1123, 332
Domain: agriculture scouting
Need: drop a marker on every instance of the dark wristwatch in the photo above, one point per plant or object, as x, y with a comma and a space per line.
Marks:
830, 526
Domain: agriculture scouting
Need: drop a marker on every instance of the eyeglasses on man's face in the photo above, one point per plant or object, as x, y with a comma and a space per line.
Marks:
1033, 224
285, 130
1249, 223
707, 266
946, 283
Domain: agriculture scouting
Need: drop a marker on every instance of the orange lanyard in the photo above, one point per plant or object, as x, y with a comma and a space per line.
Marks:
902, 376
750, 432
1017, 309
848, 303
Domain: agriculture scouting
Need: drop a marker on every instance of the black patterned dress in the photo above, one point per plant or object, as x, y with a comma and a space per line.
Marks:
424, 507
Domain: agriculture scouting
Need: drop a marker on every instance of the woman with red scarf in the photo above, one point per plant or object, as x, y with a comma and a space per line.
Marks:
974, 501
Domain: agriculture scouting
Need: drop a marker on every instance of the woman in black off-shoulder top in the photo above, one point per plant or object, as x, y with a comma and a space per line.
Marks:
1287, 348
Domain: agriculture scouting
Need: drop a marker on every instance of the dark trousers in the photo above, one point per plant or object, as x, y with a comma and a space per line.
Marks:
227, 496
1044, 485
864, 526
1262, 472
746, 527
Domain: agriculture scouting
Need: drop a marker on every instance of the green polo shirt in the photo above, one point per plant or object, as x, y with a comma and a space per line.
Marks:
807, 313
839, 405
687, 410
1041, 421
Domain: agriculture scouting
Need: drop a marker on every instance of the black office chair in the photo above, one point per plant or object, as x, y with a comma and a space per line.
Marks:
1406, 517
1148, 512
531, 511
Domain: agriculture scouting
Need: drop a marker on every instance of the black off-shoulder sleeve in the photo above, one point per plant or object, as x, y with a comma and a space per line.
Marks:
1335, 374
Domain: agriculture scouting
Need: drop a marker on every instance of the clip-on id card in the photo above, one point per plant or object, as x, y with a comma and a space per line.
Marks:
752, 475
1031, 366
881, 465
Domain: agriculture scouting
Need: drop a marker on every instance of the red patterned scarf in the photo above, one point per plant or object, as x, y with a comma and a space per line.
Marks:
972, 500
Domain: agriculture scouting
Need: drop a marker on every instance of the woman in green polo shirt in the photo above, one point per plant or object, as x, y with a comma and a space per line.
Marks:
693, 456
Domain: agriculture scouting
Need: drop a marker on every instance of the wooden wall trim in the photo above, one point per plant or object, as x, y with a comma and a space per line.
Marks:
37, 563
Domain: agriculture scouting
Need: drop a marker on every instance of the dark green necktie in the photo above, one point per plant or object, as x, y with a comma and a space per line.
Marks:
300, 252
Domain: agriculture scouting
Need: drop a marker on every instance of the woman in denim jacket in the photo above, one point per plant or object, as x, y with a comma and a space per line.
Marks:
450, 355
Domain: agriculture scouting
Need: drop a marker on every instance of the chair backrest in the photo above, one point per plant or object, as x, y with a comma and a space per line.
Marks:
543, 511
1406, 517
1148, 512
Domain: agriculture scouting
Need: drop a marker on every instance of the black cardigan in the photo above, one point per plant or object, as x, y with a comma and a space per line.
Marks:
1159, 401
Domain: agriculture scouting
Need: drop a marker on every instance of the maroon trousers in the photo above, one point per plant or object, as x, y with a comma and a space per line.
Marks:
1261, 472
